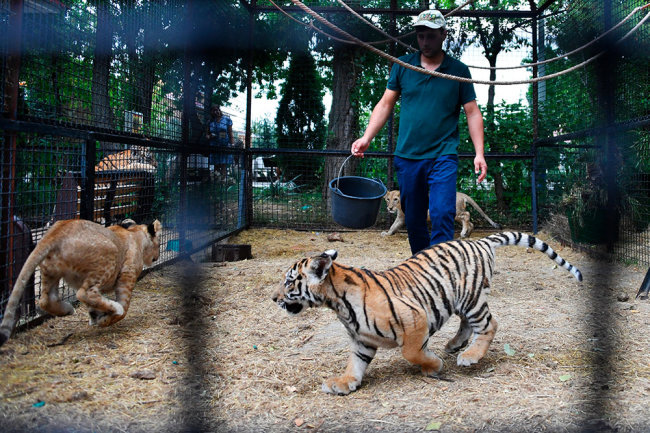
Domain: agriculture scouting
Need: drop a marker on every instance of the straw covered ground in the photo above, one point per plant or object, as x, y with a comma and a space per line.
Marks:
204, 348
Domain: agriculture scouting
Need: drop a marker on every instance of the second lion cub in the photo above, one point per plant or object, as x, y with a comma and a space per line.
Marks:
394, 205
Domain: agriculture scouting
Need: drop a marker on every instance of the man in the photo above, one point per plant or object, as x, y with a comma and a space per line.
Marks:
426, 156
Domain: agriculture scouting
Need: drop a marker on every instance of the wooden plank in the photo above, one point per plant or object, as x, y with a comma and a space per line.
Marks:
125, 199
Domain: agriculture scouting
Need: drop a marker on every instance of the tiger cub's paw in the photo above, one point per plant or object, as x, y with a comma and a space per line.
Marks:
340, 385
467, 358
455, 345
434, 368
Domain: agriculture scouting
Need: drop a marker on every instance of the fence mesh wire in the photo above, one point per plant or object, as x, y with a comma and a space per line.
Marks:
93, 128
594, 122
108, 116
130, 71
305, 176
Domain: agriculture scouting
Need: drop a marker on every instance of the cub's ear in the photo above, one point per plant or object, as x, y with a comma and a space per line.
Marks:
127, 223
154, 228
319, 266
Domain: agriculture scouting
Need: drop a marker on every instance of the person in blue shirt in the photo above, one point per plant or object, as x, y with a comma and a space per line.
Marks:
426, 154
220, 134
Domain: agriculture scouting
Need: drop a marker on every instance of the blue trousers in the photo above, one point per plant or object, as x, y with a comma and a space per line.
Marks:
428, 184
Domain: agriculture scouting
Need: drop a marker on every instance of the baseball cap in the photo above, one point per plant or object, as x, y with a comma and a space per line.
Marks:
430, 18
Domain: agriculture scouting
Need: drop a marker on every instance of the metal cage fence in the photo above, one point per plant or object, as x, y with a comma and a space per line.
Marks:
296, 195
593, 126
140, 100
104, 119
107, 132
108, 76
59, 178
5, 13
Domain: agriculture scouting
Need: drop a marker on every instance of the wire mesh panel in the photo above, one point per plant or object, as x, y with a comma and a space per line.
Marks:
595, 120
113, 117
111, 74
5, 13
137, 183
302, 201
216, 116
354, 82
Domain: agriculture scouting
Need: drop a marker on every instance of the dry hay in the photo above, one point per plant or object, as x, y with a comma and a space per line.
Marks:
203, 347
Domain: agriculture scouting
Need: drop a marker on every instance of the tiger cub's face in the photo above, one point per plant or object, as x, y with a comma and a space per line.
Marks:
302, 284
393, 201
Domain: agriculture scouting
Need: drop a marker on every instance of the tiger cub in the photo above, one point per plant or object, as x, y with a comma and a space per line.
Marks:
92, 259
138, 158
405, 305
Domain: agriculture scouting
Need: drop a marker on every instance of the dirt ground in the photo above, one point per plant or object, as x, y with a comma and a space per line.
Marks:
203, 348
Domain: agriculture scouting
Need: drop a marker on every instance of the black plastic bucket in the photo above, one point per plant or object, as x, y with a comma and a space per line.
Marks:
355, 200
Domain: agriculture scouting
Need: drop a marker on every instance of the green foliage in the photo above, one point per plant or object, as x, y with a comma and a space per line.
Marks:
300, 122
575, 102
40, 163
512, 133
264, 134
374, 168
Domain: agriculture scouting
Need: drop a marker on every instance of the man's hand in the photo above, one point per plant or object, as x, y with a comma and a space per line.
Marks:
360, 146
480, 167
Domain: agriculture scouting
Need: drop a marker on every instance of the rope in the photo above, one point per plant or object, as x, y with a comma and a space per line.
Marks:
369, 47
543, 62
311, 26
570, 53
390, 38
393, 38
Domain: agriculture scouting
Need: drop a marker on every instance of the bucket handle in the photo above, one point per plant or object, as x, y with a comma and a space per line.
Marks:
341, 170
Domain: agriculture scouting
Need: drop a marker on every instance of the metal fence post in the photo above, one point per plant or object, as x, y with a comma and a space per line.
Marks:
248, 156
8, 156
533, 147
86, 207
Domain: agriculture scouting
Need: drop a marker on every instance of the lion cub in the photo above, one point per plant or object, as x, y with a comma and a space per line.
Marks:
92, 259
394, 205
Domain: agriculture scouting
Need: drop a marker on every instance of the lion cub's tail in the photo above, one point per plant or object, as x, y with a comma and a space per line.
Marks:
475, 205
41, 251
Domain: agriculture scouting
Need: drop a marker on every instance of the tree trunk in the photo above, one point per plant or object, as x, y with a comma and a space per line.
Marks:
142, 70
56, 90
100, 100
343, 117
197, 128
149, 58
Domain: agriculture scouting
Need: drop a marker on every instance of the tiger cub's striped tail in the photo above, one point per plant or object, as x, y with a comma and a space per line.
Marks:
524, 240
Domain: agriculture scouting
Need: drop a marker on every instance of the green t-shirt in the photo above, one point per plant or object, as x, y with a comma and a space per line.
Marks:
430, 107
